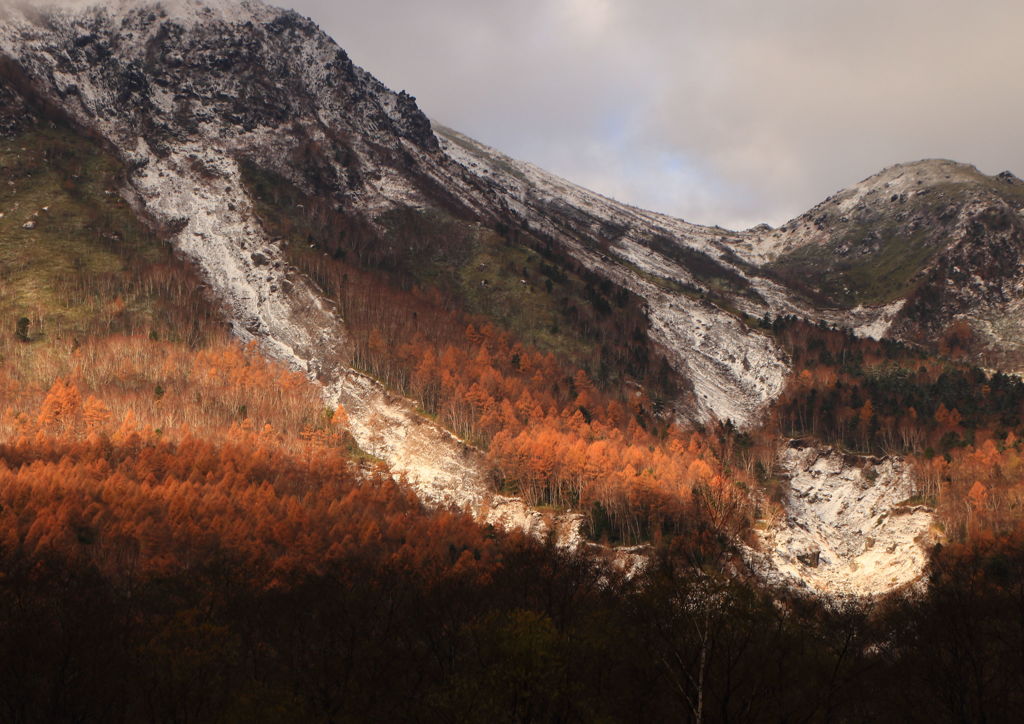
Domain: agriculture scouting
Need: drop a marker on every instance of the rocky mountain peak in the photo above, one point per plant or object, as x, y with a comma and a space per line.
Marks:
933, 240
180, 68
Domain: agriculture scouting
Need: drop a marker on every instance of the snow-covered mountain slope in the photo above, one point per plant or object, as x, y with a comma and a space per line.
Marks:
185, 93
553, 203
671, 264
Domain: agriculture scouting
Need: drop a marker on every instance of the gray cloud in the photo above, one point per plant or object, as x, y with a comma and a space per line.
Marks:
720, 111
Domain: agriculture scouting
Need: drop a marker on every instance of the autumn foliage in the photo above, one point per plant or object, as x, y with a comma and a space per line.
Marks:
232, 458
557, 439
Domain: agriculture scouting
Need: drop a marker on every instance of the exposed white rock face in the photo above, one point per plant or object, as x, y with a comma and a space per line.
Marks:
878, 322
513, 514
848, 530
444, 471
221, 234
736, 373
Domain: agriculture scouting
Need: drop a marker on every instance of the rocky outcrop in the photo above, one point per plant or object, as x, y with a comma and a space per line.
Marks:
850, 527
15, 113
978, 279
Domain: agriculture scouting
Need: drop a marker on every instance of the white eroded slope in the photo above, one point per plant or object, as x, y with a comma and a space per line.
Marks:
247, 272
848, 528
444, 471
736, 373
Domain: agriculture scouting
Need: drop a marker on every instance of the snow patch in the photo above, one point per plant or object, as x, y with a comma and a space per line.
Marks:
877, 327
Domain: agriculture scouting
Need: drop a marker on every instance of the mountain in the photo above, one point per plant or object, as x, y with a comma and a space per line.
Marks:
935, 241
190, 96
309, 401
311, 199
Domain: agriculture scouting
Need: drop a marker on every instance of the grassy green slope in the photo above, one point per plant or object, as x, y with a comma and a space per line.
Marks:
74, 259
874, 278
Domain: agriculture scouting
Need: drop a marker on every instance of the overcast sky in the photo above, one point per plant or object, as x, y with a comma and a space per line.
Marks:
719, 111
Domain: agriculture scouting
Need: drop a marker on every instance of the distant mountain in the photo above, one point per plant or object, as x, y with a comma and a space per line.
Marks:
937, 240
